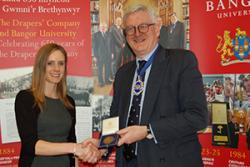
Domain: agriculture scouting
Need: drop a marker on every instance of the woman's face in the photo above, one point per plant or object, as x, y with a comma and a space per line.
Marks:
55, 67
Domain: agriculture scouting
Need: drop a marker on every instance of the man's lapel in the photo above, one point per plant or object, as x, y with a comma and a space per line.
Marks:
153, 85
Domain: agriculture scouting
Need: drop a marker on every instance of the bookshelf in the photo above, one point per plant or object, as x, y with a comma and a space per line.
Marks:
115, 10
94, 14
165, 7
185, 6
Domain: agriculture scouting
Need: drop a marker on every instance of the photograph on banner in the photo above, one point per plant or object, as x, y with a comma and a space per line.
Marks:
8, 126
100, 108
220, 124
234, 90
13, 80
231, 88
83, 123
227, 142
80, 88
109, 47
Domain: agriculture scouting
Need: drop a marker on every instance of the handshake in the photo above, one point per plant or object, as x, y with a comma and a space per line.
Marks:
88, 151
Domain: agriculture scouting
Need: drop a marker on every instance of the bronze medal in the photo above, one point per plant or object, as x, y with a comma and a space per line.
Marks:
108, 140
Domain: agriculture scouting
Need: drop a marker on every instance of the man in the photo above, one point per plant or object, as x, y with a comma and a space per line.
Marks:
228, 90
233, 127
101, 49
167, 92
173, 35
117, 43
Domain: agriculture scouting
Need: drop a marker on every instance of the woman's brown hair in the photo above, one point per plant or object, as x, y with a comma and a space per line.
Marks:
38, 76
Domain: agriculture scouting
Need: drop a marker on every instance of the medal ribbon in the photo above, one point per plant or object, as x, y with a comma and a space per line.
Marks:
148, 63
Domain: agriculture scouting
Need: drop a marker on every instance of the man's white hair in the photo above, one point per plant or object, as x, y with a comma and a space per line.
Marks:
140, 7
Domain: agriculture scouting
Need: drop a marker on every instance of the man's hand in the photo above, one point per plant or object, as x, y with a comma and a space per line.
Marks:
88, 151
132, 134
93, 154
91, 141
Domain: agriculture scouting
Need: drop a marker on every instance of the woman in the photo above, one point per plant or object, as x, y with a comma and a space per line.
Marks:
45, 115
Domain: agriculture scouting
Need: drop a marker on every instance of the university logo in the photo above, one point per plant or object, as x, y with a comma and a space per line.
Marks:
236, 50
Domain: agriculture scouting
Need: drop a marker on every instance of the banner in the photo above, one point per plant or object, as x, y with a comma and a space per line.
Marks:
219, 35
26, 25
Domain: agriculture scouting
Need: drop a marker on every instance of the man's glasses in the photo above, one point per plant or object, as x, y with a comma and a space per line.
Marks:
142, 28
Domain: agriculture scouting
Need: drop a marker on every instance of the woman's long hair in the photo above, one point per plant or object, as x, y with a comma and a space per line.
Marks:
38, 76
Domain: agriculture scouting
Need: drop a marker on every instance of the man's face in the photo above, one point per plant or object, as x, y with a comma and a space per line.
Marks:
142, 43
247, 85
118, 21
172, 18
103, 28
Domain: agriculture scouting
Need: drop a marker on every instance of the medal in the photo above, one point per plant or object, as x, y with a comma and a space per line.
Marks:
138, 88
139, 84
108, 140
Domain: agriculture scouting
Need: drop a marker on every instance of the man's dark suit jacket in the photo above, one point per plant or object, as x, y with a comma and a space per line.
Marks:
101, 46
101, 50
174, 106
175, 39
117, 39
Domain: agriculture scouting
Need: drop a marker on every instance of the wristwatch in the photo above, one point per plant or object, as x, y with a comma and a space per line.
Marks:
149, 135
